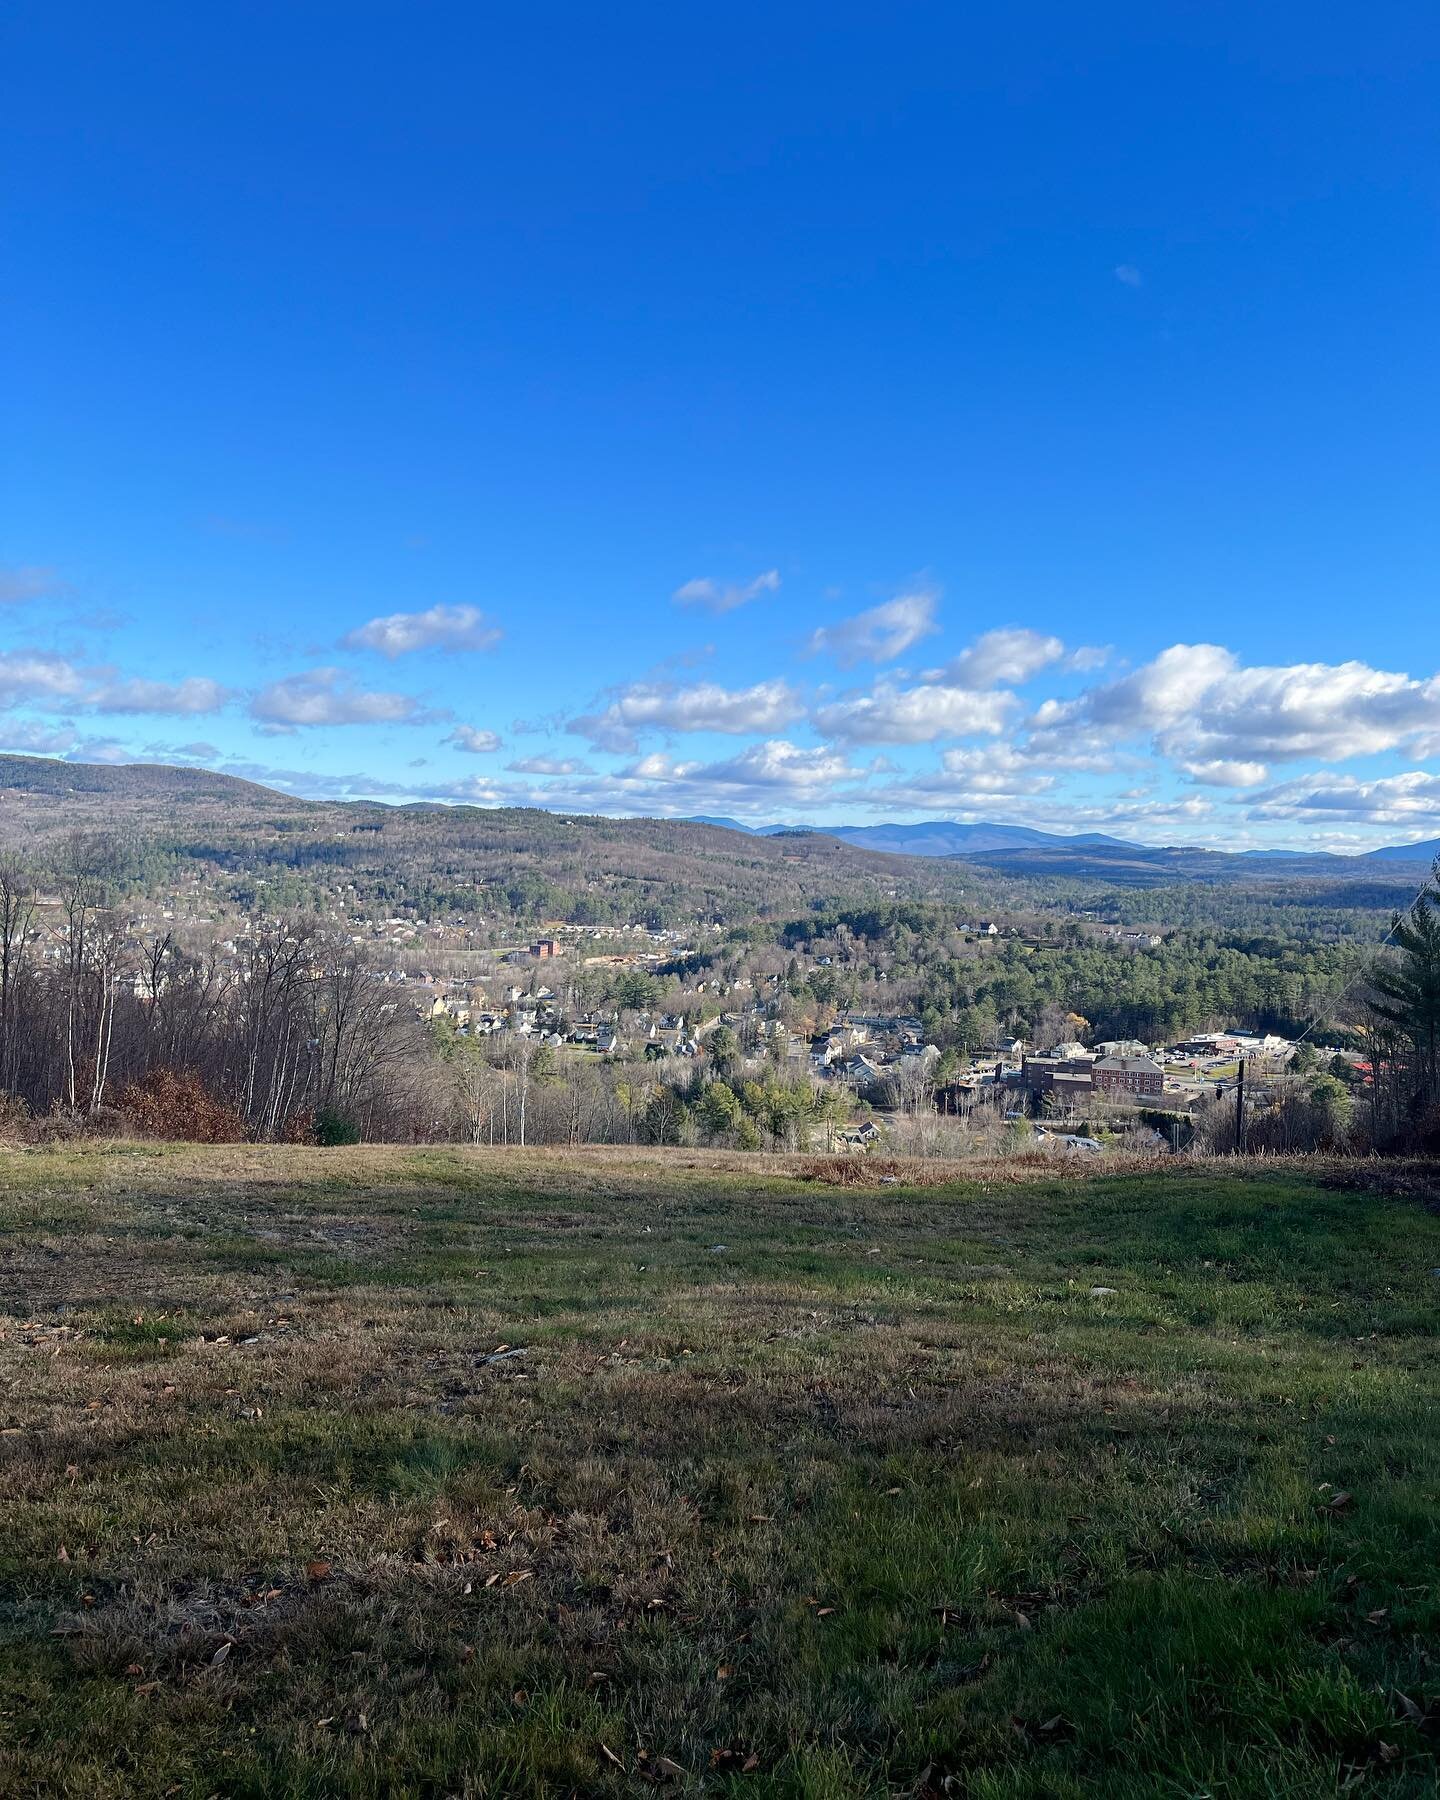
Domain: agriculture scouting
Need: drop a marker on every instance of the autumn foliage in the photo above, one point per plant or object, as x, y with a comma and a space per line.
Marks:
174, 1104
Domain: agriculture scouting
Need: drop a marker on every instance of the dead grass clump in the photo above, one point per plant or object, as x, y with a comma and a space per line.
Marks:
15, 1122
844, 1171
60, 1126
852, 1171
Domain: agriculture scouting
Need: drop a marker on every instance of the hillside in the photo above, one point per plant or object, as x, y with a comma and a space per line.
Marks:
381, 1472
589, 869
147, 785
586, 869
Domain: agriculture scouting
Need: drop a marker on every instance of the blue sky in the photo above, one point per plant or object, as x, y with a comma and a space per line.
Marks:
1018, 412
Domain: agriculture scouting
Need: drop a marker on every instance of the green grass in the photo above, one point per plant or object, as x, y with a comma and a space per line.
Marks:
796, 1490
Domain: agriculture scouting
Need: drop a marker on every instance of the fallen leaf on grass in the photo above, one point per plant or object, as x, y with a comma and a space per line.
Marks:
1424, 1718
220, 1655
1051, 1730
516, 1576
610, 1756
668, 1766
317, 1571
1340, 1502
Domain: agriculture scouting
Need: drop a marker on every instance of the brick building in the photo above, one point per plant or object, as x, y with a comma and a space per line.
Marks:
1139, 1077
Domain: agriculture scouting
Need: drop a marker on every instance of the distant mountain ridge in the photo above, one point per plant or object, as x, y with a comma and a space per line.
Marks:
1011, 849
934, 837
1426, 852
1023, 849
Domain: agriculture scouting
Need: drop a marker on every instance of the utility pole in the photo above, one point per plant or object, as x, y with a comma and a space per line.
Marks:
1240, 1111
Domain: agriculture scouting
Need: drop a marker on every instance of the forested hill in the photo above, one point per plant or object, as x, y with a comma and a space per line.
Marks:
258, 845
253, 845
25, 779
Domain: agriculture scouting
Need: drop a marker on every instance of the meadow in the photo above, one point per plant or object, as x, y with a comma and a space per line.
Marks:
384, 1472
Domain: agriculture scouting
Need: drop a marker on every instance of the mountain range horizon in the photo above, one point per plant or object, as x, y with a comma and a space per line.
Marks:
1025, 848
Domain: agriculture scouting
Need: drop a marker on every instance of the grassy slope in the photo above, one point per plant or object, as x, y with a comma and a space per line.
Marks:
863, 1486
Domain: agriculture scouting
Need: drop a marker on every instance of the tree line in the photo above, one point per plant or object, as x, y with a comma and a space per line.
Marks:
290, 1030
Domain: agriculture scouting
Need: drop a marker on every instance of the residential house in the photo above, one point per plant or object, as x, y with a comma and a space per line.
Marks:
862, 1074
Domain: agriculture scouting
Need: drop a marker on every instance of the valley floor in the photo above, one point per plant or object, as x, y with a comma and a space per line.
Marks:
387, 1472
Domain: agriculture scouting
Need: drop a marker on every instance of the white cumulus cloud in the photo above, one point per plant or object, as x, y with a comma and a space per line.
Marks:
438, 628
329, 697
475, 739
1411, 798
698, 706
1201, 705
913, 715
1004, 658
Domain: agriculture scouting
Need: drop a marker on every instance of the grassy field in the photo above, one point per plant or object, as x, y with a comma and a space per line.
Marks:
387, 1473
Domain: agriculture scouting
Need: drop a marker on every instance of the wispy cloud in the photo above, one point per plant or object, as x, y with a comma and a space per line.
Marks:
192, 696
881, 633
548, 765
28, 582
29, 736
722, 596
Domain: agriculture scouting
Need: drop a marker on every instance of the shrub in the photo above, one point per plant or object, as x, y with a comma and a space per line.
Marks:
334, 1128
299, 1128
174, 1104
14, 1116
